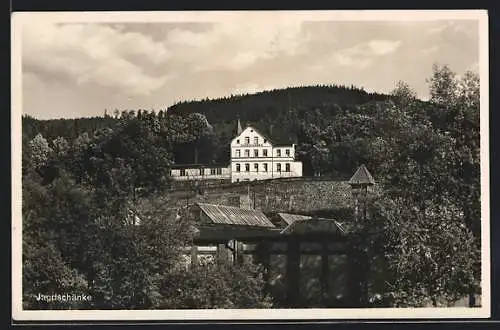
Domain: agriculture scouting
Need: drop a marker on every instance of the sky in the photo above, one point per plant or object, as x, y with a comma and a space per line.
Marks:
79, 69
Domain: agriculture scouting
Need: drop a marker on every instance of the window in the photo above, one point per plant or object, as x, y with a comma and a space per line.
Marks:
238, 141
264, 152
247, 167
212, 171
278, 152
247, 140
247, 153
256, 152
237, 153
238, 167
265, 167
265, 141
219, 171
183, 172
287, 152
237, 180
256, 167
255, 140
278, 167
201, 171
287, 167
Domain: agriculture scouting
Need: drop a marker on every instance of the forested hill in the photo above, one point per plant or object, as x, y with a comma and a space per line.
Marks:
274, 103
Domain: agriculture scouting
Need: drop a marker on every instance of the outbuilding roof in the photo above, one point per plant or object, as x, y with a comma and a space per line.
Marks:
289, 218
362, 176
230, 215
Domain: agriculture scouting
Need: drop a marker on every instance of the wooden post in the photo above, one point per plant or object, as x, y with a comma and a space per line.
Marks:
293, 272
354, 282
325, 287
266, 262
194, 256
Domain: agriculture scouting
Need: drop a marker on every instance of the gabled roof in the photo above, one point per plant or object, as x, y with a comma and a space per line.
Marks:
276, 136
362, 176
314, 225
229, 215
289, 218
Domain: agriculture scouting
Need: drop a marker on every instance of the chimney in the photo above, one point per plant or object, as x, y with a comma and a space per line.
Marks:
246, 202
242, 201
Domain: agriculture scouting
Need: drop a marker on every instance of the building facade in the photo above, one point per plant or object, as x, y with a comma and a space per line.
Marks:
185, 172
255, 157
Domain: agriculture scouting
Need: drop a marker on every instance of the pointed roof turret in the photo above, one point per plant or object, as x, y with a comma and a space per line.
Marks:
362, 177
239, 129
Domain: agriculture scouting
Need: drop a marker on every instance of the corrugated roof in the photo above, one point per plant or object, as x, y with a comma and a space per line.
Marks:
289, 218
362, 176
230, 215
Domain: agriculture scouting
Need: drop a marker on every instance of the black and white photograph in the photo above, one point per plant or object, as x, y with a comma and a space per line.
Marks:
250, 165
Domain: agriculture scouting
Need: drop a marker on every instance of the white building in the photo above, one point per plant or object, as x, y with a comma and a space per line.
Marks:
255, 157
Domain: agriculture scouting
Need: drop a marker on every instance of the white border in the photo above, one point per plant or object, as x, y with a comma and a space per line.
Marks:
244, 314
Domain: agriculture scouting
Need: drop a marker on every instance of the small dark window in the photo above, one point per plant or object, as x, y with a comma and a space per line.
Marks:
265, 167
287, 151
247, 167
278, 152
278, 167
247, 140
255, 140
256, 152
238, 141
287, 167
219, 171
238, 167
212, 171
183, 172
247, 153
256, 167
238, 153
264, 152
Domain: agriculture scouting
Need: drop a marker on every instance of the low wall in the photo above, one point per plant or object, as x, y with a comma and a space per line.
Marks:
279, 195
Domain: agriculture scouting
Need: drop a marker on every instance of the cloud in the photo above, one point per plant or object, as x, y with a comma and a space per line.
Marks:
94, 54
362, 54
237, 44
383, 47
429, 50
